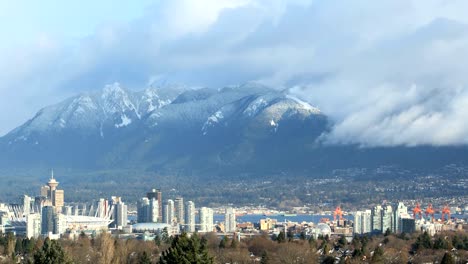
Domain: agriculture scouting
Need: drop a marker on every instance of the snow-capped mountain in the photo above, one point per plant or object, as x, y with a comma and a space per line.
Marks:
239, 129
165, 124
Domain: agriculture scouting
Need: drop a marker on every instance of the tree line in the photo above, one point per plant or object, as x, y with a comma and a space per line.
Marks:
446, 247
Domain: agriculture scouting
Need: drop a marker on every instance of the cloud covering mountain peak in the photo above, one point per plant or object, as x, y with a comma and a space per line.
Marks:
387, 73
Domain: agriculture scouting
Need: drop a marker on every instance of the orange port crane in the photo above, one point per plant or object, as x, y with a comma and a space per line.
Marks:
417, 211
338, 212
430, 211
446, 211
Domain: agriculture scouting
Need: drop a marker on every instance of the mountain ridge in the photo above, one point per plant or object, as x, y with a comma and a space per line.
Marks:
143, 128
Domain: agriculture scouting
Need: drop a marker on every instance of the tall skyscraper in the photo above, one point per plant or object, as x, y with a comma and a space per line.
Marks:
120, 213
179, 210
190, 216
230, 220
387, 218
156, 194
153, 211
206, 219
26, 205
377, 219
142, 210
400, 210
168, 212
148, 210
54, 196
362, 222
48, 220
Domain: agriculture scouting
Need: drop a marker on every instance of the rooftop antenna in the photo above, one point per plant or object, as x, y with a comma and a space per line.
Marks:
52, 174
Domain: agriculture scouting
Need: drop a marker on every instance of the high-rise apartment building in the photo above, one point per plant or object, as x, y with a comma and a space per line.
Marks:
27, 205
120, 213
179, 210
168, 212
230, 220
142, 210
206, 219
156, 194
400, 211
377, 219
190, 217
148, 210
153, 211
33, 225
363, 222
387, 218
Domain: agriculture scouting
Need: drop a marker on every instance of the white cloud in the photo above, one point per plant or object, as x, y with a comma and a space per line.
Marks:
386, 72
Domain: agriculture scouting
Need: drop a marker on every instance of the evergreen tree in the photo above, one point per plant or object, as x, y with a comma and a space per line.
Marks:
265, 258
312, 241
234, 243
387, 232
342, 241
302, 236
186, 249
423, 242
378, 255
144, 258
447, 259
290, 235
19, 246
157, 240
51, 253
281, 237
328, 260
29, 246
165, 235
440, 243
223, 242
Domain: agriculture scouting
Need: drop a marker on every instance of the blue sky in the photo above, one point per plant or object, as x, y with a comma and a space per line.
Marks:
386, 72
26, 20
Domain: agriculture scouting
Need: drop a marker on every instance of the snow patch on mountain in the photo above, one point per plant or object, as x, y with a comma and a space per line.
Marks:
274, 125
125, 121
211, 121
304, 105
255, 106
116, 100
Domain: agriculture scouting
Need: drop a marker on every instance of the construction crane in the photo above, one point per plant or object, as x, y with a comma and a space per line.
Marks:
446, 211
430, 211
338, 212
417, 211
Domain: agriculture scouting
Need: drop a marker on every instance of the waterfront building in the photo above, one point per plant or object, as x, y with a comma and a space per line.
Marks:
54, 196
362, 222
407, 224
206, 219
230, 220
